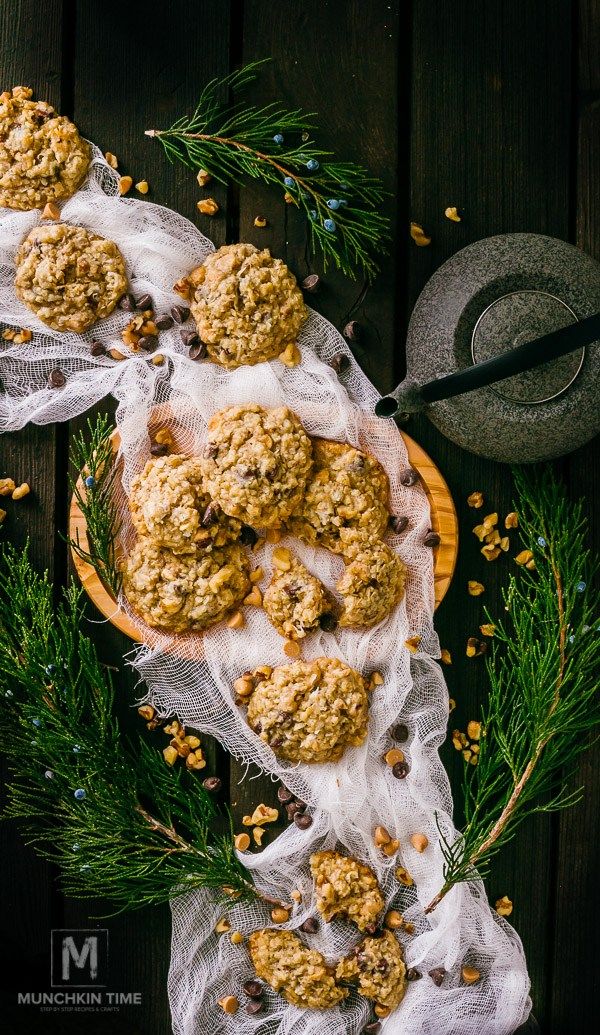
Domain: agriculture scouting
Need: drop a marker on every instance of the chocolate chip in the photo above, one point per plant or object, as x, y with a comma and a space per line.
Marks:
301, 804
189, 338
303, 821
397, 523
292, 808
312, 283
372, 1028
148, 342
431, 539
328, 622
210, 514
400, 733
164, 322
437, 975
98, 348
310, 925
212, 784
400, 770
284, 795
197, 350
276, 742
253, 988
254, 1006
382, 966
293, 591
257, 727
353, 331
211, 451
340, 362
159, 449
412, 974
143, 302
127, 302
180, 313
409, 476
56, 378
248, 537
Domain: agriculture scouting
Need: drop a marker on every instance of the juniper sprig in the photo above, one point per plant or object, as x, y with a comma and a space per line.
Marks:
340, 200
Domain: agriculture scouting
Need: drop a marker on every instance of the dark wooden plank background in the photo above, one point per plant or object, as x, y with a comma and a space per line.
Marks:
492, 107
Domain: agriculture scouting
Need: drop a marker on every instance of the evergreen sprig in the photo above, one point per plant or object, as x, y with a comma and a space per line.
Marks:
271, 143
544, 698
119, 822
94, 465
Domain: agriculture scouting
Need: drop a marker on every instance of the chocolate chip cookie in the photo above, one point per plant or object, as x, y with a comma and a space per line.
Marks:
295, 601
169, 505
376, 967
68, 276
256, 463
183, 592
288, 966
247, 305
310, 711
346, 888
42, 156
348, 489
372, 584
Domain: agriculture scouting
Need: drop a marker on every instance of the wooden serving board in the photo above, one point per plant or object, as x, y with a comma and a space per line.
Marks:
443, 521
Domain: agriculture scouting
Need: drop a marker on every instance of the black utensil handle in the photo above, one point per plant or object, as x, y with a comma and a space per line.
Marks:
524, 357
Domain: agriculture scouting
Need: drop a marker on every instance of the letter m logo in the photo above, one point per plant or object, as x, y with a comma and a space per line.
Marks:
79, 958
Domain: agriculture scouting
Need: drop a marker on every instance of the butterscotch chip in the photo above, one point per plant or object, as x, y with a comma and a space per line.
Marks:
377, 967
349, 489
256, 463
42, 156
181, 592
288, 966
247, 305
310, 711
169, 504
346, 888
373, 582
295, 600
68, 276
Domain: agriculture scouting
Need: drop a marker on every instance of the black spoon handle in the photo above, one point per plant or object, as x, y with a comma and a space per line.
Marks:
524, 357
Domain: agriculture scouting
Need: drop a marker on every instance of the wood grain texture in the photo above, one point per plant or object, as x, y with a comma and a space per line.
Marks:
576, 889
31, 55
490, 133
463, 103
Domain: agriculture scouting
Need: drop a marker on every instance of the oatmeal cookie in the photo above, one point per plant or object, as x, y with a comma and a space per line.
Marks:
373, 582
247, 305
310, 711
68, 276
256, 463
346, 888
348, 489
169, 505
288, 966
294, 600
377, 968
182, 592
42, 156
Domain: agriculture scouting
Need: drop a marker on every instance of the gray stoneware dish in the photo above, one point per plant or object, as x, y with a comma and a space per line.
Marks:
522, 297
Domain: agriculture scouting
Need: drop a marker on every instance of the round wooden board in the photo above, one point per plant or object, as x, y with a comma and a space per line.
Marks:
443, 521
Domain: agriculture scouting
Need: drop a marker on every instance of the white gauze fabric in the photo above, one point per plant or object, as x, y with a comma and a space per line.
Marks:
192, 676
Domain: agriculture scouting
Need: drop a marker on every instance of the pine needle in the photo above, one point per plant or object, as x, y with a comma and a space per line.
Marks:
118, 822
544, 699
235, 142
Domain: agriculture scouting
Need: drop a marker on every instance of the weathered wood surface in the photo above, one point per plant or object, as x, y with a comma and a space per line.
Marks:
491, 107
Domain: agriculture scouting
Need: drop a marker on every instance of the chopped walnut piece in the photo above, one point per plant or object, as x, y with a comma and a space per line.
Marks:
487, 629
413, 643
445, 657
511, 520
125, 184
208, 206
504, 906
419, 236
452, 214
475, 588
475, 500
